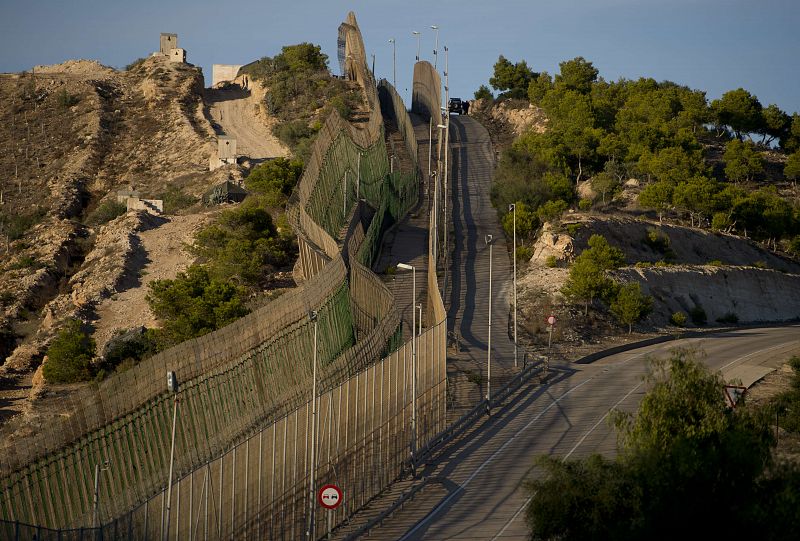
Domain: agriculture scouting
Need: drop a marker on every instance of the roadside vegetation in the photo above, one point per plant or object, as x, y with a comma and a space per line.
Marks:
588, 281
689, 467
301, 92
729, 165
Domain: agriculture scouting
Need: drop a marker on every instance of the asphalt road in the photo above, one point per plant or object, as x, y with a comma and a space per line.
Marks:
480, 482
472, 218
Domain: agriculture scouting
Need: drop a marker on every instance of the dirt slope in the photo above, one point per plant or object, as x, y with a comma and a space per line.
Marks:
237, 112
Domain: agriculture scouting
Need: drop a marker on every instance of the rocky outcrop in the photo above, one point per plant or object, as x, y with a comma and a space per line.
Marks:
751, 294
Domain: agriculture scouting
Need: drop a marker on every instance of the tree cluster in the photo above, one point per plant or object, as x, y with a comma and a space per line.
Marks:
301, 93
587, 281
689, 467
656, 131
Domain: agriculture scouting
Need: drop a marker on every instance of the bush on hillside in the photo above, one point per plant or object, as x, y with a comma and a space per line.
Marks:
105, 212
69, 355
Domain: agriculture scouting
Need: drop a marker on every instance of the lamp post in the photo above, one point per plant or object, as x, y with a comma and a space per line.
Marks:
488, 240
394, 62
96, 503
172, 386
312, 316
418, 35
513, 208
413, 270
435, 47
358, 176
446, 177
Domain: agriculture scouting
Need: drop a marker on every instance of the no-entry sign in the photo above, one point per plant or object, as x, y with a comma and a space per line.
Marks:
330, 497
551, 319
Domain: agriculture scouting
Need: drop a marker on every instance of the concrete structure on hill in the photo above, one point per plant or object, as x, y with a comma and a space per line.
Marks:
153, 206
167, 43
226, 152
177, 55
223, 73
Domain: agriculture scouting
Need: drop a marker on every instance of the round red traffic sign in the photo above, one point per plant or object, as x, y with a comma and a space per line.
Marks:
330, 497
551, 319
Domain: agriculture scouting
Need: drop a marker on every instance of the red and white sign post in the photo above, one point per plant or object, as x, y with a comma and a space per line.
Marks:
551, 321
330, 496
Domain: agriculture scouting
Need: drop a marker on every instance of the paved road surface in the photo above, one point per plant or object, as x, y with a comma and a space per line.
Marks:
233, 109
479, 492
474, 217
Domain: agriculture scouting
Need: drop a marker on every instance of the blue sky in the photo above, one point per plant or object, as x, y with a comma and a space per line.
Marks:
712, 45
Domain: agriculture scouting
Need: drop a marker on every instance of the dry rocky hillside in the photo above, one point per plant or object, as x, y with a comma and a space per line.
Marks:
724, 274
74, 135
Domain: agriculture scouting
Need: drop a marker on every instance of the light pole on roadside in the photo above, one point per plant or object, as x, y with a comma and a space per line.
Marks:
488, 240
312, 316
394, 63
513, 208
406, 266
172, 386
441, 179
446, 153
436, 46
418, 35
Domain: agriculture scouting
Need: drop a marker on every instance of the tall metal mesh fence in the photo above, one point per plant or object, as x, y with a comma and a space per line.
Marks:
250, 380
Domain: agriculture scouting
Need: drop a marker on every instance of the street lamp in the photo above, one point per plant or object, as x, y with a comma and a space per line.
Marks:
513, 208
394, 62
435, 47
488, 240
172, 386
312, 316
96, 504
418, 35
406, 266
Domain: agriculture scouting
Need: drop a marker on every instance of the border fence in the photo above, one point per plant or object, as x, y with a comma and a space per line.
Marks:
244, 415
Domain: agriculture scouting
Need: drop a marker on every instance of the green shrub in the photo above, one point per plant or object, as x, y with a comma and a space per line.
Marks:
193, 304
760, 264
794, 246
572, 229
483, 93
16, 225
657, 240
175, 200
66, 100
729, 318
275, 180
26, 262
293, 132
69, 355
643, 264
716, 263
551, 261
678, 319
128, 348
721, 221
391, 270
663, 263
524, 254
585, 204
244, 244
698, 315
105, 212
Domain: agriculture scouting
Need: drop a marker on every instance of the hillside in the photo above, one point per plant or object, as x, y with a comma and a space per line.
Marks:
78, 133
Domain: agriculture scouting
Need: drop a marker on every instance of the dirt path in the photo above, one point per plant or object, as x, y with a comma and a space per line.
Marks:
234, 111
160, 255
